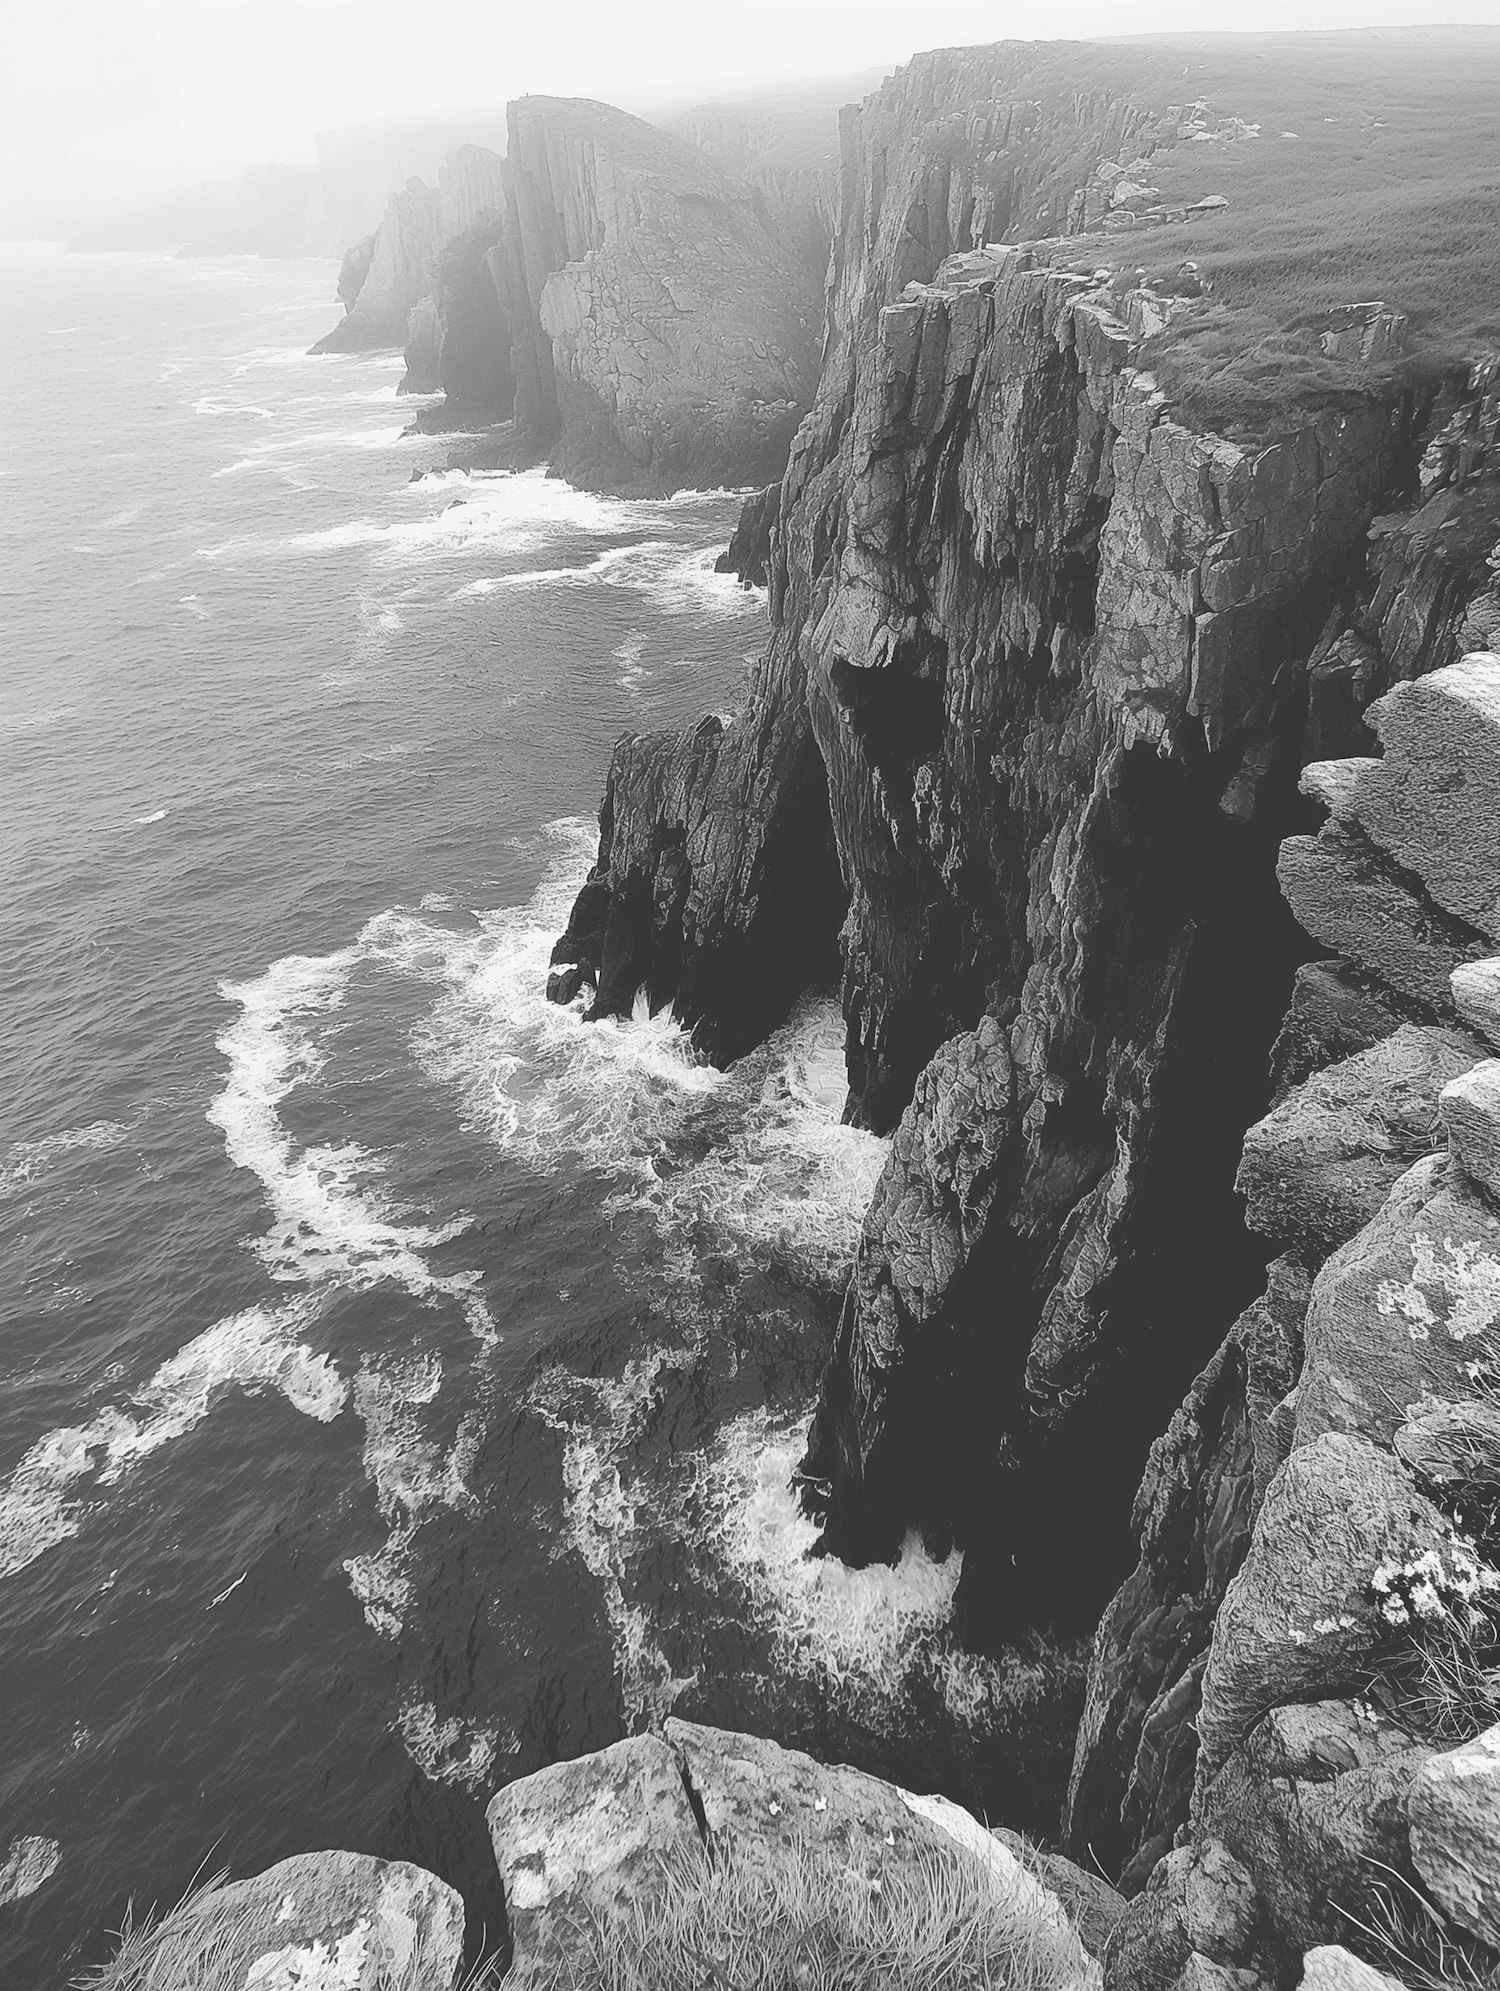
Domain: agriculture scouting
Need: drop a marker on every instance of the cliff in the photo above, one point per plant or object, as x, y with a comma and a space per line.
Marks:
662, 335
788, 151
1048, 653
458, 339
380, 283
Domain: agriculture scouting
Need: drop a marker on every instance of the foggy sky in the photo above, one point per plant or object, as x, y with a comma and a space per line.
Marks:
106, 101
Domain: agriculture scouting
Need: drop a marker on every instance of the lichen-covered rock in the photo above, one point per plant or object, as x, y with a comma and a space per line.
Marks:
1304, 1614
1454, 1807
584, 1839
340, 1919
1092, 1905
1452, 1449
1402, 1310
1321, 1164
577, 1837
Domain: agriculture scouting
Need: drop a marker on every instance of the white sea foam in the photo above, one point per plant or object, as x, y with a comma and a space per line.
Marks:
44, 1501
328, 1219
29, 1864
679, 580
860, 1625
758, 1150
29, 1159
411, 1472
451, 1751
600, 1419
156, 816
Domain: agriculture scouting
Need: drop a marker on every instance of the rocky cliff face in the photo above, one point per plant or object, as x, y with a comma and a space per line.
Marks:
1046, 661
662, 335
396, 273
790, 155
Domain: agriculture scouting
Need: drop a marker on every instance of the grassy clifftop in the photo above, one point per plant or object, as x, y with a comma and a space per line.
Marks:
1355, 166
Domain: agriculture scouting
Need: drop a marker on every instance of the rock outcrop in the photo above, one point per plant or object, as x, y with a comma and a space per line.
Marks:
339, 1920
458, 338
1376, 1531
397, 273
662, 334
1046, 664
586, 1841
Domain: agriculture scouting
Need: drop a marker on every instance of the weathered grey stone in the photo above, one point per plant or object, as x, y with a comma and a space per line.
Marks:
1204, 1481
1313, 1803
1202, 1973
1471, 1114
1454, 1806
1451, 1448
1221, 1909
1349, 899
1333, 1014
663, 335
1301, 1616
1330, 1967
1476, 997
1323, 1161
1433, 800
1149, 1947
752, 1789
395, 277
1402, 1310
577, 1837
1334, 783
334, 1918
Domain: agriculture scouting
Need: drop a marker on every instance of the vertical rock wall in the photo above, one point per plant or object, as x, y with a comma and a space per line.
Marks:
663, 336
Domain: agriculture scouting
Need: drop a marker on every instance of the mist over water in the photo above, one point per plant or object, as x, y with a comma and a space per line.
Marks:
402, 1379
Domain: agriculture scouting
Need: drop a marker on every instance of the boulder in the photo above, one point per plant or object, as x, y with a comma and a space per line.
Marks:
1476, 997
1321, 1164
1351, 900
336, 1919
1471, 1114
1303, 1614
579, 1836
1333, 1013
1433, 801
1313, 1806
1330, 1967
1221, 1909
1401, 1311
1452, 1448
1454, 1807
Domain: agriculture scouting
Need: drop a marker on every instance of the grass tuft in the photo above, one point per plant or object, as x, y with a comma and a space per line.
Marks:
810, 1920
1403, 1934
205, 1944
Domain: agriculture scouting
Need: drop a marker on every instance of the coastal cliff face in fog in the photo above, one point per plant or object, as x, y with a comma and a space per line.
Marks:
1047, 658
662, 334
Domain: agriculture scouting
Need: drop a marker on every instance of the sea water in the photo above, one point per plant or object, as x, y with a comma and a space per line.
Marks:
401, 1380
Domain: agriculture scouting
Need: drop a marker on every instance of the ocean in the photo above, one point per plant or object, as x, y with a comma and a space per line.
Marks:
400, 1379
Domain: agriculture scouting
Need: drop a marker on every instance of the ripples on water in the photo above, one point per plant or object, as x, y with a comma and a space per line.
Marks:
402, 1379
